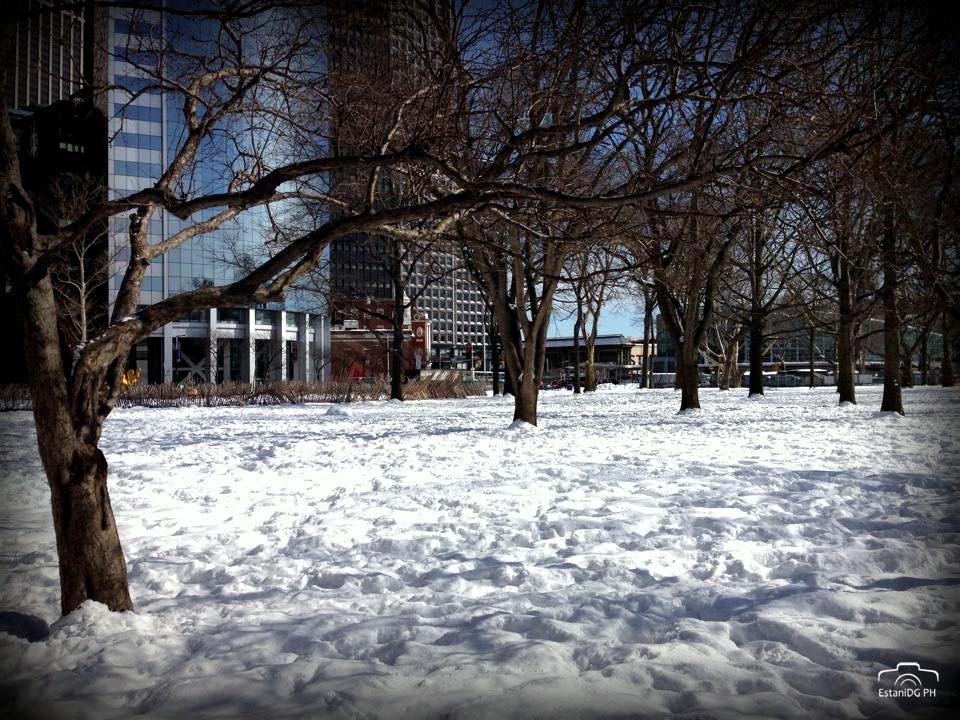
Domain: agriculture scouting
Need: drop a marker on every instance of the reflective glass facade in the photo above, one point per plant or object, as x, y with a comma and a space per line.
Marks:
146, 127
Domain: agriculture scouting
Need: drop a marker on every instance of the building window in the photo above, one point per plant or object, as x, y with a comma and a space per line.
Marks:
137, 112
231, 315
136, 27
138, 169
137, 140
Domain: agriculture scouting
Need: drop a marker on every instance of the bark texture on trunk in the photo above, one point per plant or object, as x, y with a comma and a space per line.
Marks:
92, 566
91, 562
525, 402
590, 381
946, 367
730, 369
846, 386
645, 367
756, 354
576, 352
906, 368
688, 378
892, 394
495, 357
397, 374
924, 358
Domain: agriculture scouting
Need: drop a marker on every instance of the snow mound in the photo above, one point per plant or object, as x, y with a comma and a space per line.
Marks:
891, 416
522, 426
337, 411
96, 620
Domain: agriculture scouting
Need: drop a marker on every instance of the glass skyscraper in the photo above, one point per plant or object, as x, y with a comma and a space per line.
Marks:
276, 342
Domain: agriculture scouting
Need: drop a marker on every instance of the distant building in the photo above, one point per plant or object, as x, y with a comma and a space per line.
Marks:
396, 39
617, 358
361, 346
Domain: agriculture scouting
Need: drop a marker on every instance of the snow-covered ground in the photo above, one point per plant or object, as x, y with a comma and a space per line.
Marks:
763, 558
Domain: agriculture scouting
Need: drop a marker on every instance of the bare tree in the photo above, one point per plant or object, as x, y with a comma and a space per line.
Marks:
237, 78
602, 277
761, 268
593, 276
649, 333
81, 270
515, 142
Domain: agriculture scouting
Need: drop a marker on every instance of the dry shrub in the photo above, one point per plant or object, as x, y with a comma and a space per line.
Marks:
438, 386
14, 397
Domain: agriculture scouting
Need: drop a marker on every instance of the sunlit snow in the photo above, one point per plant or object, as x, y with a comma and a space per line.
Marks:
425, 560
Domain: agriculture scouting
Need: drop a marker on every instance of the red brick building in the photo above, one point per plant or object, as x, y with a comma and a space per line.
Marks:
361, 345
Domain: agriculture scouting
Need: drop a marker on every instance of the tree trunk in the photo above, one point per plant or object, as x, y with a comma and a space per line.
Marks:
688, 376
91, 560
646, 364
946, 367
812, 345
845, 380
92, 566
525, 401
924, 357
906, 367
892, 395
730, 369
508, 385
576, 351
756, 354
591, 374
495, 357
397, 374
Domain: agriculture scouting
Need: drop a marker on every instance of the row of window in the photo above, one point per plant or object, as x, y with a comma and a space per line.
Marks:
139, 169
447, 311
136, 27
446, 338
133, 84
142, 57
138, 140
463, 327
151, 283
138, 112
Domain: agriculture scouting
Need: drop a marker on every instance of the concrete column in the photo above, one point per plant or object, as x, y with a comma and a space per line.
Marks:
321, 331
227, 377
281, 331
303, 341
212, 346
168, 353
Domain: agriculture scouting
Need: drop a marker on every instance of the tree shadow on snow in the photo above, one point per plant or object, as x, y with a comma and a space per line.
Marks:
24, 626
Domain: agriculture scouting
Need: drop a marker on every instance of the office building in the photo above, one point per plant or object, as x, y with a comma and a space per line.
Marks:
396, 40
61, 54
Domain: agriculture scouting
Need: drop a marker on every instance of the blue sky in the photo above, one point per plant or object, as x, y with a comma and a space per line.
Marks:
620, 316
